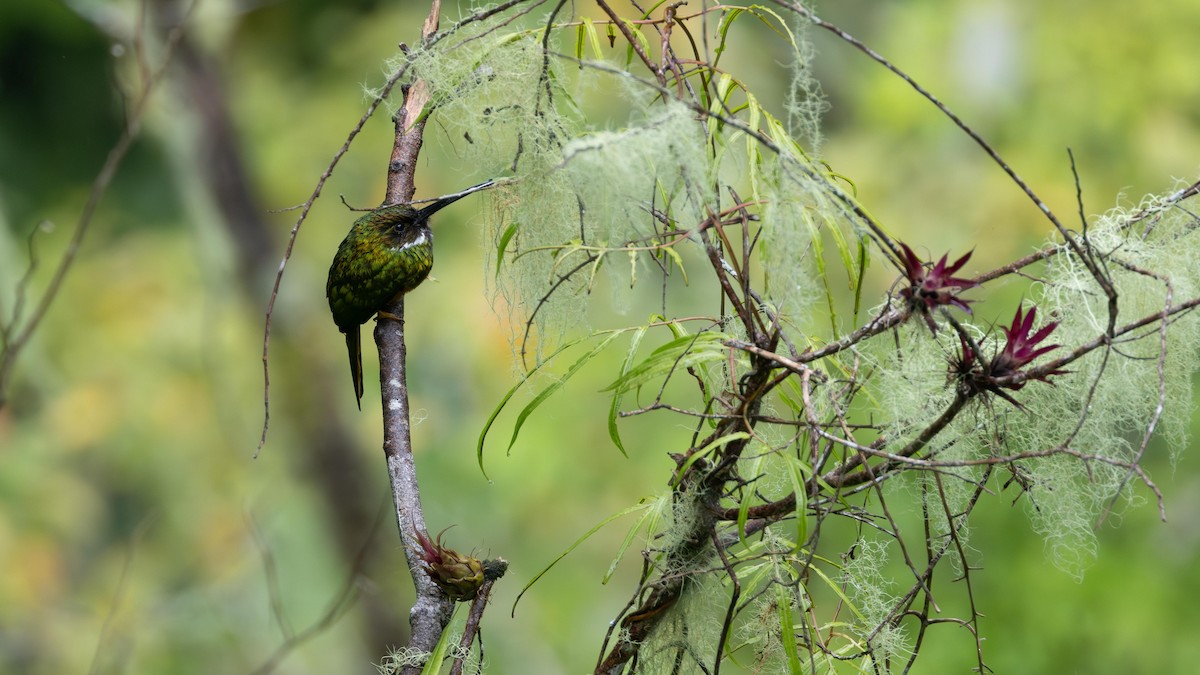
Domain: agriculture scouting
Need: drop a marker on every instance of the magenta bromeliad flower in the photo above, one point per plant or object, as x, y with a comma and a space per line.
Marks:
930, 287
1020, 348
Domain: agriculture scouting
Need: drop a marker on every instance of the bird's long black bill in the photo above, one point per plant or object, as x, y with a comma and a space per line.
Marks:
437, 204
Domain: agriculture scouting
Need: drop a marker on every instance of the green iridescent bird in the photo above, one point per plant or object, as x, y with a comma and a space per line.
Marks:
387, 253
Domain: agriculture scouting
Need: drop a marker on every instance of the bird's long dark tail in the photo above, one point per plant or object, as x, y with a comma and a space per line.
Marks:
354, 347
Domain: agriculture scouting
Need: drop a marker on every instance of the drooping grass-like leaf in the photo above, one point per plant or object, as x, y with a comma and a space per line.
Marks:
753, 148
642, 504
545, 393
555, 386
783, 602
864, 259
833, 585
747, 499
678, 354
502, 246
678, 262
614, 407
648, 521
587, 29
757, 11
798, 472
636, 32
818, 248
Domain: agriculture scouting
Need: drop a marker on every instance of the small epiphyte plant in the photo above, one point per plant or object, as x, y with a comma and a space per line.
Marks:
459, 576
975, 375
933, 286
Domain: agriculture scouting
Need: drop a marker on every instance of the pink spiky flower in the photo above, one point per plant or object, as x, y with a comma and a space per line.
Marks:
1021, 347
459, 576
930, 287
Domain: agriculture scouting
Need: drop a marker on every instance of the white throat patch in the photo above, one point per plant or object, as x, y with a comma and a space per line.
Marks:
417, 241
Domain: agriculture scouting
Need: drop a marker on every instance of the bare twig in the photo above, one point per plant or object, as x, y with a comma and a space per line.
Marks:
1160, 366
118, 594
341, 602
493, 570
384, 93
150, 79
275, 597
19, 292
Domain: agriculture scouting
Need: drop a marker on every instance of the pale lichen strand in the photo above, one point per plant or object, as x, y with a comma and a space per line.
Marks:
871, 592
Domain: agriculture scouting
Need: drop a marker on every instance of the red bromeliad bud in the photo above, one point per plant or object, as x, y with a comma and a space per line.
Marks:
933, 287
1020, 348
459, 576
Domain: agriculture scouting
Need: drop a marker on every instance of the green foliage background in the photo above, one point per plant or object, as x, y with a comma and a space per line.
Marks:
128, 488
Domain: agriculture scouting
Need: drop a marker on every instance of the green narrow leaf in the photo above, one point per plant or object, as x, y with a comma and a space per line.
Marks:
678, 354
433, 664
650, 10
677, 329
777, 132
586, 535
788, 629
579, 43
752, 146
798, 472
753, 576
716, 109
561, 254
819, 257
615, 407
717, 146
843, 248
723, 31
596, 264
755, 9
593, 37
670, 250
505, 237
555, 386
864, 259
625, 544
653, 511
747, 497
636, 32
833, 586
508, 395
665, 198
791, 394
843, 178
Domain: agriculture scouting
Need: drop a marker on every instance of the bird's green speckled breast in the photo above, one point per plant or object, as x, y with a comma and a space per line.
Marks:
387, 253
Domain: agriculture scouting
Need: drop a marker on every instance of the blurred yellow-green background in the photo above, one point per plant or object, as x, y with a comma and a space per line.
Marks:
138, 534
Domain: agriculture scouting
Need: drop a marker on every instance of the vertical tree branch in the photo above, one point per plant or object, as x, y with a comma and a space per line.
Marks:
431, 611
